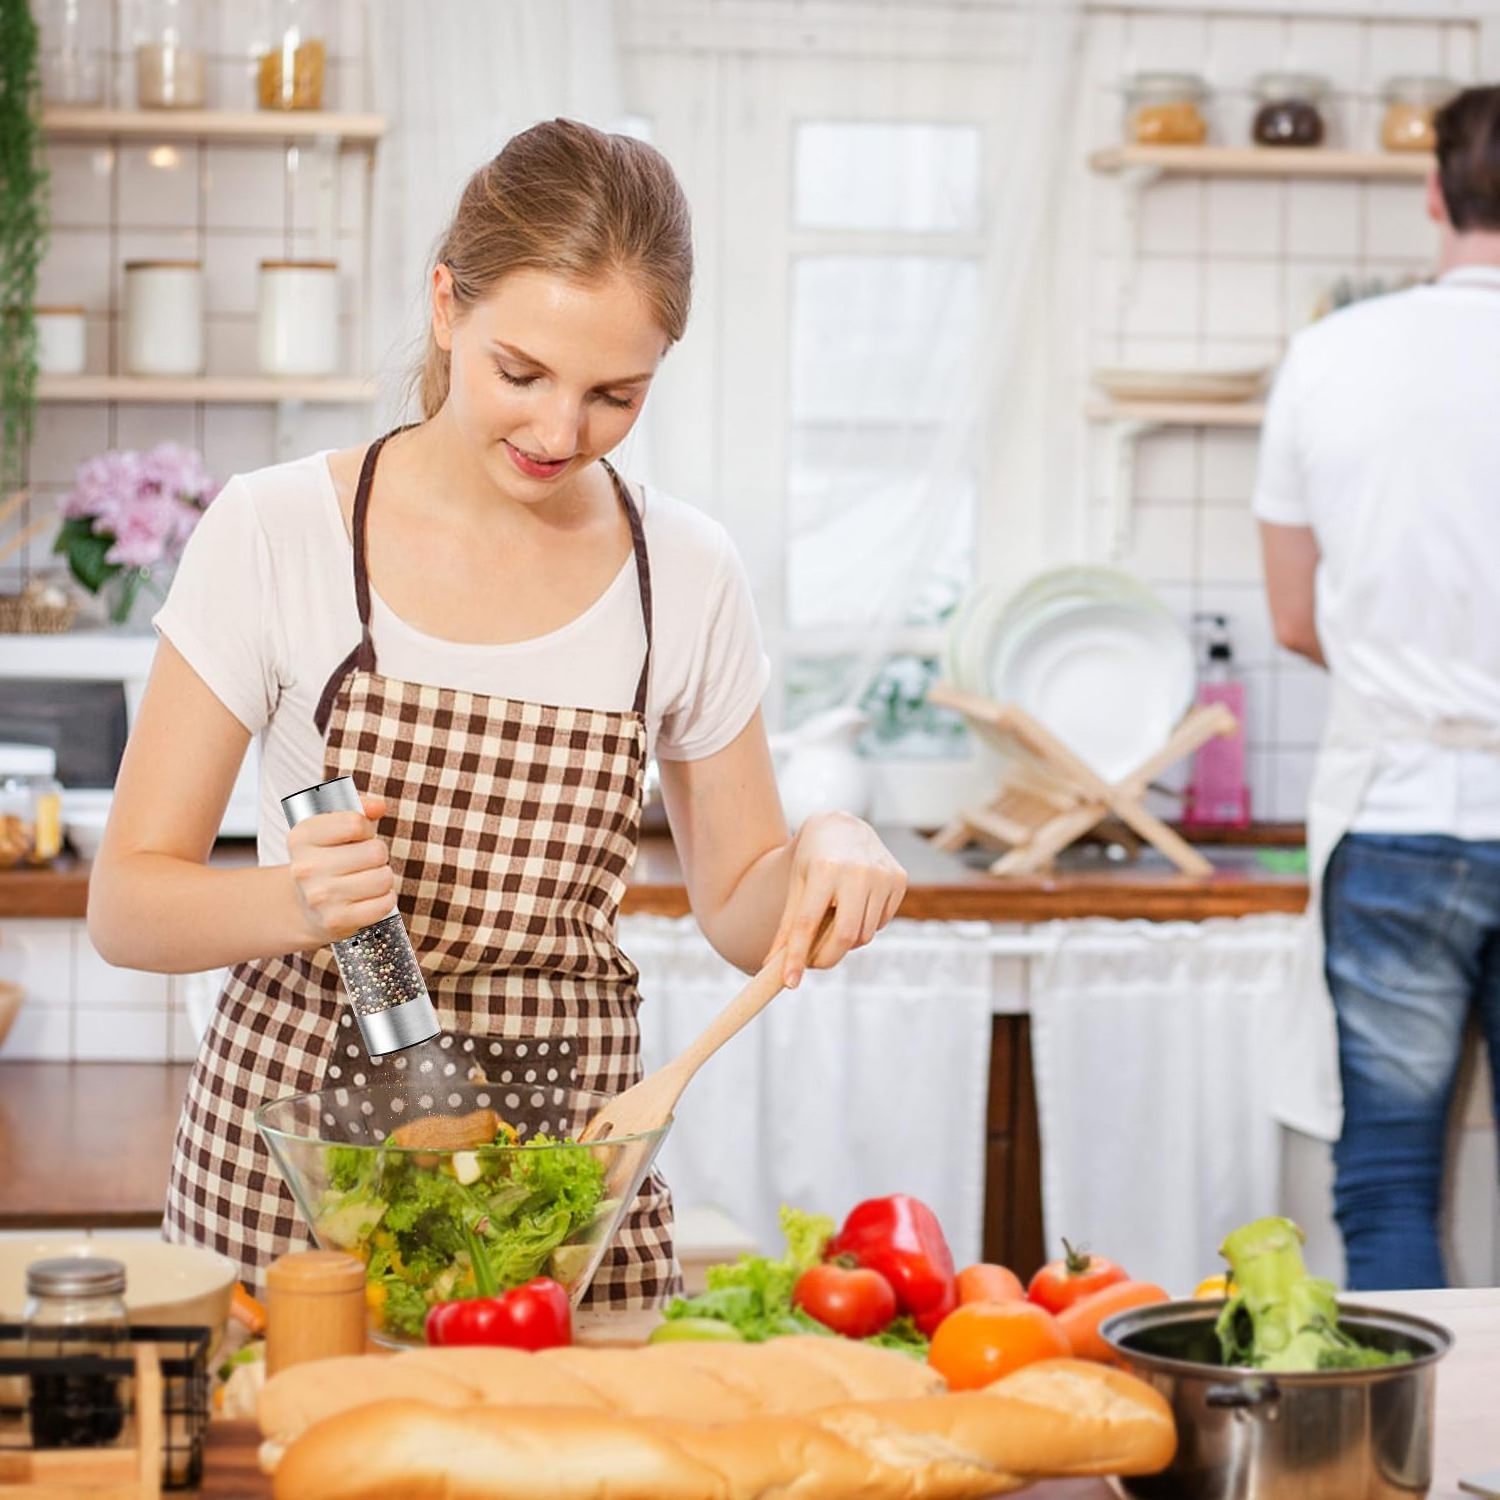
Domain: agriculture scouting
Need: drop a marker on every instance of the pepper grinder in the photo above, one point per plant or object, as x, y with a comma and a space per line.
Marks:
377, 964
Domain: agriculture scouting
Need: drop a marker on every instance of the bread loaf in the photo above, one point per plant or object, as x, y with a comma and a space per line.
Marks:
698, 1382
1058, 1418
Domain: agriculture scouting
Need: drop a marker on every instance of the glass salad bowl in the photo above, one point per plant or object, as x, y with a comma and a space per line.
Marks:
450, 1190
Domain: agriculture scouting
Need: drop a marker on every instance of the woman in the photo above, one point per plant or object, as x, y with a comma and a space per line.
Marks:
477, 620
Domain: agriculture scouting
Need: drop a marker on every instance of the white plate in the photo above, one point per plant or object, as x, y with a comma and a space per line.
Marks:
1181, 385
990, 613
1111, 679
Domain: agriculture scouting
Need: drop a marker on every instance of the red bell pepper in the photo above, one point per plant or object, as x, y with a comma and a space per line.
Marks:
901, 1238
533, 1316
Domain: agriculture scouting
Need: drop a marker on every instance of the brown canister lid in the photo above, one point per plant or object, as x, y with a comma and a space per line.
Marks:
316, 1273
299, 265
154, 265
57, 310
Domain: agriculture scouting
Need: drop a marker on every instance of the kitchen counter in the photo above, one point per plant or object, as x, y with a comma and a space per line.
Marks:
944, 887
1466, 1445
86, 1143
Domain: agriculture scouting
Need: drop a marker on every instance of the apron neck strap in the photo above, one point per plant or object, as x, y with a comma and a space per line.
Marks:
363, 655
642, 577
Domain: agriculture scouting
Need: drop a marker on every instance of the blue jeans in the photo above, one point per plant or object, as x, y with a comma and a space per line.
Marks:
1412, 923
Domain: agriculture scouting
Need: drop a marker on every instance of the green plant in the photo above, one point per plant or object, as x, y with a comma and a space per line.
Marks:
23, 231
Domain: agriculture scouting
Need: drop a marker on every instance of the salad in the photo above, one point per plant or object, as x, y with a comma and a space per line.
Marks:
433, 1223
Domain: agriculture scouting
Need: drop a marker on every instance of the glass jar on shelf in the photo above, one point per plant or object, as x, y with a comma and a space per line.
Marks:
1290, 111
169, 56
289, 73
30, 806
72, 51
1166, 109
75, 1306
1410, 105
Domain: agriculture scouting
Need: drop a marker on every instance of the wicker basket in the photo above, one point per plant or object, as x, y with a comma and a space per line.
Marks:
21, 614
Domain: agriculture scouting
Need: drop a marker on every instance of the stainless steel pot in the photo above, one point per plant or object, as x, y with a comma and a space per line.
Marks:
1249, 1435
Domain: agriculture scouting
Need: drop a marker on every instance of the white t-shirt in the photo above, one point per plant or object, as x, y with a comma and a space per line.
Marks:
262, 608
1383, 435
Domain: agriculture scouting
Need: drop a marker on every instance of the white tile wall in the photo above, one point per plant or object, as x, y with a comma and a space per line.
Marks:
227, 205
78, 1007
1226, 272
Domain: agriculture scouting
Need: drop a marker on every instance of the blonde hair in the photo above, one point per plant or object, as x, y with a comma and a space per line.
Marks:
569, 199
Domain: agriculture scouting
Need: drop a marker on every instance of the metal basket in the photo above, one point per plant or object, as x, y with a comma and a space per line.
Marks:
102, 1393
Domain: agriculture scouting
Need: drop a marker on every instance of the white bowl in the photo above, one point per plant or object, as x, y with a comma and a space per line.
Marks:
86, 832
181, 1286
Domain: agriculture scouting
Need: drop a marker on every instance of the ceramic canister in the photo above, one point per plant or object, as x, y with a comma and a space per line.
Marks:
61, 345
299, 317
164, 317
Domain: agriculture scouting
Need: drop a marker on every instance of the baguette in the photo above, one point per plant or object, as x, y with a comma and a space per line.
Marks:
698, 1382
1059, 1418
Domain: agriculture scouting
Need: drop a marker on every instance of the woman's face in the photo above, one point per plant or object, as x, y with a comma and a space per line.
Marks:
547, 374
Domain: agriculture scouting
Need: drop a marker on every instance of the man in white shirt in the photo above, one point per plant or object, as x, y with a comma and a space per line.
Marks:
1379, 502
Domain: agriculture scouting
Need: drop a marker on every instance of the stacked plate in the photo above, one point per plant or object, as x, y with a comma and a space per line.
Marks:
1182, 385
1090, 652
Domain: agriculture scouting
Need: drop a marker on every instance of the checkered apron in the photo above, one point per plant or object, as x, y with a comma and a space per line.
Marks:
512, 827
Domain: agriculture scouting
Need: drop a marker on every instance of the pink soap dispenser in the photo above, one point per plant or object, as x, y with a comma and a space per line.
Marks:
1218, 794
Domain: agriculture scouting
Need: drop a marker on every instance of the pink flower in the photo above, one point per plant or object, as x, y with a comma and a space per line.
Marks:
146, 503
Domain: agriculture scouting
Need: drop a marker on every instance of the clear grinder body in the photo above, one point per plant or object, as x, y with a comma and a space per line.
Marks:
377, 964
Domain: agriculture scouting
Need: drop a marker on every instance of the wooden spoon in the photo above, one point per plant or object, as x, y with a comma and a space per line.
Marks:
649, 1103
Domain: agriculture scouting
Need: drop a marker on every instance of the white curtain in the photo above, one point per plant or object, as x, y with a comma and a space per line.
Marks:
1153, 1050
456, 79
868, 1079
954, 393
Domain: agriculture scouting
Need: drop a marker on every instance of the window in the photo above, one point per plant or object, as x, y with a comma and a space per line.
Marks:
840, 227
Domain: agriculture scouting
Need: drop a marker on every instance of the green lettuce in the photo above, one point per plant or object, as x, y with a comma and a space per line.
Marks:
1278, 1317
754, 1294
426, 1237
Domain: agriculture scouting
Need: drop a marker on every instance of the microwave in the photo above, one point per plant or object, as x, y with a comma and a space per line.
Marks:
78, 692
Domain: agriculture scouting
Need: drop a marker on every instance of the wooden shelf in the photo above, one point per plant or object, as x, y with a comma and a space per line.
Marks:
1262, 161
1180, 413
212, 125
242, 390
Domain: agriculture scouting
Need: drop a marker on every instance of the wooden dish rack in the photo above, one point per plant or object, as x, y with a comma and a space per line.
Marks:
160, 1446
1048, 797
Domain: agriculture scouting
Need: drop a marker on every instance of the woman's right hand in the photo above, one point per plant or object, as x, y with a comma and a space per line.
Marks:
341, 870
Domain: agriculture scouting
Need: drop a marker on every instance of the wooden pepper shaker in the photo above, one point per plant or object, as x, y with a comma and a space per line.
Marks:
315, 1308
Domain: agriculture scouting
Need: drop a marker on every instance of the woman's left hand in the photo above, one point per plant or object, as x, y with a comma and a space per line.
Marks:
838, 862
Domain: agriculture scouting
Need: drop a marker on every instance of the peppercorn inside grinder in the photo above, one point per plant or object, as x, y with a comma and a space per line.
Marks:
386, 990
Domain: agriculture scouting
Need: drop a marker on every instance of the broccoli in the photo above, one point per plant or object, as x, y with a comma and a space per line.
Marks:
1278, 1317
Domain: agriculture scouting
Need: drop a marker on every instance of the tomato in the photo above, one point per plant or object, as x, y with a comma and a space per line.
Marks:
533, 1316
900, 1237
1074, 1277
855, 1302
1213, 1286
695, 1330
984, 1340
989, 1283
1081, 1321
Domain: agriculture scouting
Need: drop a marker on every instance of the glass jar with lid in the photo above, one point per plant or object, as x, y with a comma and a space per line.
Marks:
289, 72
30, 805
1410, 104
169, 56
74, 33
1290, 109
1166, 109
75, 1308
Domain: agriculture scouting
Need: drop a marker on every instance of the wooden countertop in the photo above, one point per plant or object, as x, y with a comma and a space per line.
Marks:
86, 1143
944, 887
1465, 1445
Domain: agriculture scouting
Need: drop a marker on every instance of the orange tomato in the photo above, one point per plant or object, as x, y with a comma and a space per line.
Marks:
989, 1283
1081, 1321
981, 1342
